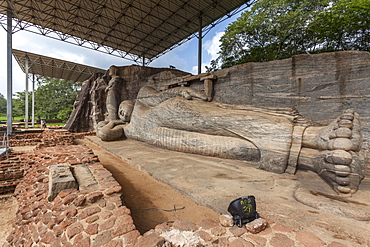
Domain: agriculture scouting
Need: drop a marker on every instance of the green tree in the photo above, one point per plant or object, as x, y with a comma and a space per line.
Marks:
19, 99
3, 104
344, 26
278, 29
54, 98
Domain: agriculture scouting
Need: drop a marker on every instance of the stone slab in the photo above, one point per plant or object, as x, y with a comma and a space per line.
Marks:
215, 182
60, 178
84, 177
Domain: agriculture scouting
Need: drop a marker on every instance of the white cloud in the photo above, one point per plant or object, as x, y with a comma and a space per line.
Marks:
212, 46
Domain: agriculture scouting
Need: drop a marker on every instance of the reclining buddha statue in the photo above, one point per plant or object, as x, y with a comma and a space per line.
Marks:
184, 119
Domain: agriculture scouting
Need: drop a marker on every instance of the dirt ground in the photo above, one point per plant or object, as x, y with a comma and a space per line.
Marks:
8, 208
151, 202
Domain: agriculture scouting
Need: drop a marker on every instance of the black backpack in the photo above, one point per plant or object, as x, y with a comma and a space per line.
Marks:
243, 210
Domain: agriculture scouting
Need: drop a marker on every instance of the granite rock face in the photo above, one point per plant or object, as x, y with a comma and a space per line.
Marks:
319, 86
249, 112
337, 80
91, 104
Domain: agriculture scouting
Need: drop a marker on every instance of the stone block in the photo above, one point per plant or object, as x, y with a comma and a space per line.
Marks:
226, 220
60, 178
84, 177
151, 240
256, 226
184, 226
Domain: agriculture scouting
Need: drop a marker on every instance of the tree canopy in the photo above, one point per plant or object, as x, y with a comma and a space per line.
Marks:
278, 29
54, 99
2, 104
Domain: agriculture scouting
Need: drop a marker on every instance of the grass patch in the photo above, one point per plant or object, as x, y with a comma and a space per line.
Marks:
17, 121
3, 118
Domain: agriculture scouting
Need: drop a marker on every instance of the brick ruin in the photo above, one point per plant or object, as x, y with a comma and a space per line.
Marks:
12, 169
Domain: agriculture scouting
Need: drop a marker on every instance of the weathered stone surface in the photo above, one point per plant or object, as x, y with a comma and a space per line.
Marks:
281, 228
184, 225
162, 227
48, 238
80, 200
259, 240
131, 237
92, 229
124, 220
221, 242
207, 224
68, 199
164, 119
239, 242
93, 197
281, 240
60, 178
92, 219
218, 230
238, 231
103, 238
181, 238
336, 244
115, 243
151, 240
256, 226
121, 211
123, 229
226, 220
108, 224
74, 229
89, 211
91, 100
84, 177
309, 239
204, 235
339, 157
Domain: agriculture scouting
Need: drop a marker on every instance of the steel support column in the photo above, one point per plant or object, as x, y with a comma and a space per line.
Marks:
26, 96
200, 34
33, 100
9, 115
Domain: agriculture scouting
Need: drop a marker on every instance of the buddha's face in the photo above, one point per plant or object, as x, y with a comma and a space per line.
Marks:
113, 70
125, 110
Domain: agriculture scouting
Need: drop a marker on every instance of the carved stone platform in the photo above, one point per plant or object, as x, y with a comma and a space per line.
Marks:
302, 201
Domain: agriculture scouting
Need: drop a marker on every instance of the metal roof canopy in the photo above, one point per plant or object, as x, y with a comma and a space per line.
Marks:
52, 67
134, 29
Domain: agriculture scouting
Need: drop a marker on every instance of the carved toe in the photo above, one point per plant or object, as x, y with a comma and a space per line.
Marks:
339, 157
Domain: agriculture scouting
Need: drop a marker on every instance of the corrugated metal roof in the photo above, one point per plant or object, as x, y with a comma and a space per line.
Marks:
145, 28
55, 68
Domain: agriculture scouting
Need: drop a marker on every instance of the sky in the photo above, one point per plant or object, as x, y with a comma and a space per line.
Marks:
184, 57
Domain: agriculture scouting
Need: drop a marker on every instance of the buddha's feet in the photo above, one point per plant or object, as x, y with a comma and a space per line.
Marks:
333, 153
342, 170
